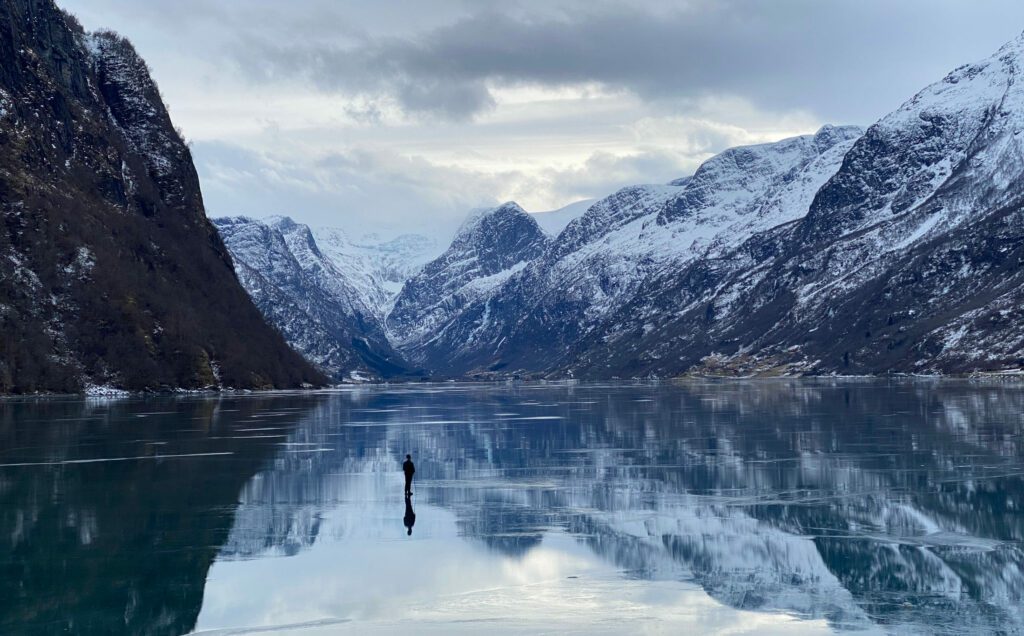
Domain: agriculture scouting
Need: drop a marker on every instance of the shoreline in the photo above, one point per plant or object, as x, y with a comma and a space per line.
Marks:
1015, 376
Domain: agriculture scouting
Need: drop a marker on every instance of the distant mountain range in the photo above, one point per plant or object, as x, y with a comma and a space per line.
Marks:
328, 295
893, 249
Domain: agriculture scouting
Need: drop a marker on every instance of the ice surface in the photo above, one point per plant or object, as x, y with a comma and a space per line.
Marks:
772, 506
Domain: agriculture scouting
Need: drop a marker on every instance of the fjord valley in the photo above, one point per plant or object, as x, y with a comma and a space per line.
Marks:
547, 316
895, 248
851, 251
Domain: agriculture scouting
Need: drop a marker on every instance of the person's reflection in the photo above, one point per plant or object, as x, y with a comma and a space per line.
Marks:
410, 514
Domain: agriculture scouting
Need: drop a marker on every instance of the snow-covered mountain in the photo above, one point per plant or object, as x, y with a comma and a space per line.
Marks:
329, 309
909, 257
491, 246
605, 258
377, 266
898, 248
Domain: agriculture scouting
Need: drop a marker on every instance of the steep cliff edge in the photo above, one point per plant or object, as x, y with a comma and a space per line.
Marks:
110, 273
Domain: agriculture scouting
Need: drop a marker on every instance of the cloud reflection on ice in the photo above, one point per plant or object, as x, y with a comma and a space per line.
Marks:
744, 505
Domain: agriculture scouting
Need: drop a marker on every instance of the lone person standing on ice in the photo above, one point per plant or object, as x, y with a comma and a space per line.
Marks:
409, 469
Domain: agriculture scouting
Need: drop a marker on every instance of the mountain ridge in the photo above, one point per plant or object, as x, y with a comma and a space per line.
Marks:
846, 251
899, 254
490, 246
607, 255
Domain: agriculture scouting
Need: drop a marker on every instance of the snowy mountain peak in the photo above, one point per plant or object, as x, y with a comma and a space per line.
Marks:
968, 120
491, 219
496, 239
300, 239
735, 178
829, 135
281, 222
491, 246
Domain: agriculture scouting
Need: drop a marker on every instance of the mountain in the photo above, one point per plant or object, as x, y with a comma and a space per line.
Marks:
110, 273
490, 247
328, 308
898, 248
893, 249
609, 256
908, 259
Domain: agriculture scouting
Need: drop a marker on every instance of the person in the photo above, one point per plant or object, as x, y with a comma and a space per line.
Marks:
410, 514
409, 469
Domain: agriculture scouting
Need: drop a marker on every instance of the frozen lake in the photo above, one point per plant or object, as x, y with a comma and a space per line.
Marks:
777, 506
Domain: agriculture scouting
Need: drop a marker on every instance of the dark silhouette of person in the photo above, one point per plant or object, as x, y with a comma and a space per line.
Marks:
410, 514
409, 469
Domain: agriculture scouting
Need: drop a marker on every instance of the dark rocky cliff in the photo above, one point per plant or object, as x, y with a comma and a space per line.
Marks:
110, 272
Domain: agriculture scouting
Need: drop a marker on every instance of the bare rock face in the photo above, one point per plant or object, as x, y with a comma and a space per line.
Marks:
110, 272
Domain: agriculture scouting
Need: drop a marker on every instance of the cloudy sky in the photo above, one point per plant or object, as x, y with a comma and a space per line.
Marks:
402, 116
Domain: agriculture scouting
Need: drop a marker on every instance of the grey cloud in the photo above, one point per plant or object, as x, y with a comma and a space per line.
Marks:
709, 74
843, 60
457, 100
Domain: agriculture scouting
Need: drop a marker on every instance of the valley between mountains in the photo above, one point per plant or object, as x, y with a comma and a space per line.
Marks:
896, 248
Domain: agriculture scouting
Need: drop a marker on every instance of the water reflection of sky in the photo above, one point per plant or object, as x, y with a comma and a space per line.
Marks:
723, 508
364, 575
740, 507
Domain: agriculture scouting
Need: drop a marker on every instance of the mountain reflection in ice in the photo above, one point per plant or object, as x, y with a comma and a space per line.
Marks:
791, 506
848, 504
